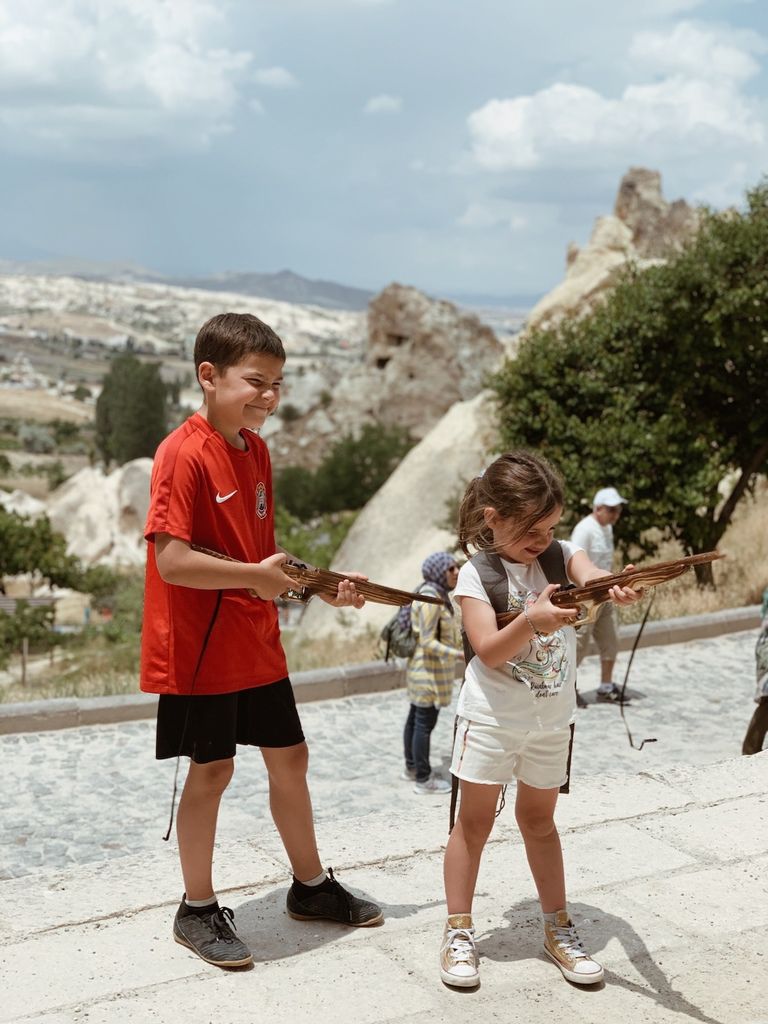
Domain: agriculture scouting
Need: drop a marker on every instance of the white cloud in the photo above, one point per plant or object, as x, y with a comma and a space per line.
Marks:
383, 104
276, 78
700, 105
81, 71
491, 213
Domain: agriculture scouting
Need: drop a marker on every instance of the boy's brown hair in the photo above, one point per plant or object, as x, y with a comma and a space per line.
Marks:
226, 339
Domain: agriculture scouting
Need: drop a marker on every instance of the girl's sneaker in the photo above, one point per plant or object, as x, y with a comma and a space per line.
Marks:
563, 945
408, 775
458, 956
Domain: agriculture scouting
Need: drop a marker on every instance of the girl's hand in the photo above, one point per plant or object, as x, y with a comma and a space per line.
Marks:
626, 595
546, 617
346, 595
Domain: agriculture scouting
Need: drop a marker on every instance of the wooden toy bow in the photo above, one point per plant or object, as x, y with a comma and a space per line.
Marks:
310, 581
586, 600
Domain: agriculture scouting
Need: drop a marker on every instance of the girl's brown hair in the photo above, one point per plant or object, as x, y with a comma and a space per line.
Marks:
520, 486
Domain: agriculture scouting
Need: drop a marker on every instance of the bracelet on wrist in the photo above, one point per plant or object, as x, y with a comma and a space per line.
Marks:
533, 629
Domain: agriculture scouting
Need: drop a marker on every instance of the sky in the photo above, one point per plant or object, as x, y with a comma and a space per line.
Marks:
455, 145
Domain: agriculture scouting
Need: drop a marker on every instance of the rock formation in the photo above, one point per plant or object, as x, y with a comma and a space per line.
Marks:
422, 355
643, 228
101, 515
410, 516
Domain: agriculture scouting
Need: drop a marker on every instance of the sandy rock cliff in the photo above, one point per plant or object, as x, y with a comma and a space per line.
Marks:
643, 228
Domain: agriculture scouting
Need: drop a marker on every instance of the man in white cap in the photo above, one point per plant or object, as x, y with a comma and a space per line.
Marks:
594, 533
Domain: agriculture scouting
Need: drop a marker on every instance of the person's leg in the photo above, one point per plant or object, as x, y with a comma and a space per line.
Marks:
534, 811
606, 638
757, 728
458, 955
196, 824
410, 764
467, 840
291, 807
425, 719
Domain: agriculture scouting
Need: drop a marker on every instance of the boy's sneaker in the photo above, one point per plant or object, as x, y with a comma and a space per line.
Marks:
408, 775
563, 945
433, 785
612, 696
458, 956
330, 901
211, 935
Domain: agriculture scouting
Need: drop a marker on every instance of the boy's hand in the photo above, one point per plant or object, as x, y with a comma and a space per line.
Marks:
625, 595
346, 596
270, 581
546, 617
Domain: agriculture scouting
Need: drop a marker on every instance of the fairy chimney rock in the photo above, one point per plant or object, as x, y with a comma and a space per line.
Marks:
425, 354
643, 228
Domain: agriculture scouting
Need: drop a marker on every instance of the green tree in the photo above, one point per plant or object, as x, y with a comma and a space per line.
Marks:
295, 492
35, 547
130, 411
357, 466
661, 390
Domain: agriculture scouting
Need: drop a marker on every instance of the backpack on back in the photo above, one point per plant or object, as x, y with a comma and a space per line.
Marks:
398, 639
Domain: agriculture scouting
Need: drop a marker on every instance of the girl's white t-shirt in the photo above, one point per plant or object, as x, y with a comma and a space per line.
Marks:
536, 689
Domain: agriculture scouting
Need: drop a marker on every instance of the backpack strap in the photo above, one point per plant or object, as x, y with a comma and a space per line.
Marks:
552, 562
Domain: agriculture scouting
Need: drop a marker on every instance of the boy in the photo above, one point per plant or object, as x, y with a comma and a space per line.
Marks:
211, 650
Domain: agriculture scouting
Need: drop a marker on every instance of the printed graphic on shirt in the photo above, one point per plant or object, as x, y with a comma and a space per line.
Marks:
261, 500
543, 666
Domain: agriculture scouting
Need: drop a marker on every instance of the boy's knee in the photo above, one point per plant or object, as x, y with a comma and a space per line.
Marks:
214, 776
290, 764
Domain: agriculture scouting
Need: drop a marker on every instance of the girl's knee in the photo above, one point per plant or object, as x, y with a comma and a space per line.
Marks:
535, 824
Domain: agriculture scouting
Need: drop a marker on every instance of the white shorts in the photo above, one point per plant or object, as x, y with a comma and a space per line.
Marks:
494, 755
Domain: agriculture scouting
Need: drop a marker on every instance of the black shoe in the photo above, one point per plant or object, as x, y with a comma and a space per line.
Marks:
612, 697
211, 935
330, 901
580, 702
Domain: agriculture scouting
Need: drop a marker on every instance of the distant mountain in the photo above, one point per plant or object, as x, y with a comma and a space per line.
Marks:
284, 286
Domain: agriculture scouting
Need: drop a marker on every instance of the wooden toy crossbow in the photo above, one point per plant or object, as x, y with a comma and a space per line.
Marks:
586, 600
310, 581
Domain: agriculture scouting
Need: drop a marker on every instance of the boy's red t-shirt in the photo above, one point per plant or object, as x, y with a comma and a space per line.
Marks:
207, 492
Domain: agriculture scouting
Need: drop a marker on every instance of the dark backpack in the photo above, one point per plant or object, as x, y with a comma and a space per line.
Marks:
495, 582
399, 641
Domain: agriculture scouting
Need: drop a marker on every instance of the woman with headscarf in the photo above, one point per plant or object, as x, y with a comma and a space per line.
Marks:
431, 670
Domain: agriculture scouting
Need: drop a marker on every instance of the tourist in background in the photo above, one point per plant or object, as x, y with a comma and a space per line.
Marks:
431, 670
757, 728
594, 533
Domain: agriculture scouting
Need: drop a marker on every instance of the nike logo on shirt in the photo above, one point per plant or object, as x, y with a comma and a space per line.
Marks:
224, 497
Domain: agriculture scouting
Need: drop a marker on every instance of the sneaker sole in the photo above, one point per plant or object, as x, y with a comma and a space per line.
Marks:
577, 979
215, 963
318, 917
459, 982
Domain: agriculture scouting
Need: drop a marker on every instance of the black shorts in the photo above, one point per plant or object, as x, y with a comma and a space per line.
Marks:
208, 727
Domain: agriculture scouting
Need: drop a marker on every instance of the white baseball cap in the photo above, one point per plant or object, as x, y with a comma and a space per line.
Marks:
608, 496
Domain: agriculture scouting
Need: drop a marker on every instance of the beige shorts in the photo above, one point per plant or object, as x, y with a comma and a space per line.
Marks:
494, 756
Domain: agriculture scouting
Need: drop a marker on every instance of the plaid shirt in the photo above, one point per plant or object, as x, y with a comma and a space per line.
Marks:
432, 669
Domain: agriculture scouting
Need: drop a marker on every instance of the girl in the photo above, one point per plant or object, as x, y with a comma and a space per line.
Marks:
431, 670
516, 705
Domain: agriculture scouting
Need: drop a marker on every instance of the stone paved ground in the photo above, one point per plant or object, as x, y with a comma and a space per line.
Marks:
90, 794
